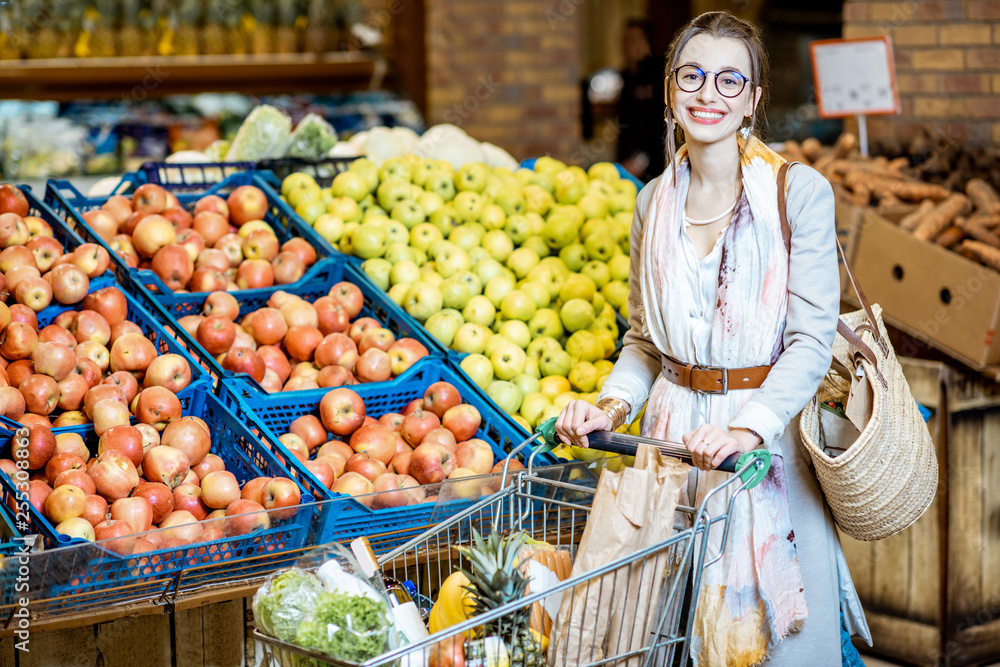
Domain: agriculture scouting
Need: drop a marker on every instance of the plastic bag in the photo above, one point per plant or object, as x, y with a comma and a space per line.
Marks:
312, 138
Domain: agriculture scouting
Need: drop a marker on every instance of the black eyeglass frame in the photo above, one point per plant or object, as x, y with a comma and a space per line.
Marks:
705, 73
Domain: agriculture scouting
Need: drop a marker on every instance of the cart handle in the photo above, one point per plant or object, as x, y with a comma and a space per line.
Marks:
751, 466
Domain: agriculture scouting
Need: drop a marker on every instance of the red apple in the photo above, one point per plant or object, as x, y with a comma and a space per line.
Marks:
173, 265
158, 407
180, 524
114, 475
170, 371
349, 295
62, 462
213, 203
331, 316
380, 338
219, 489
255, 274
335, 448
246, 203
189, 498
310, 429
37, 448
374, 366
38, 492
136, 511
149, 198
18, 340
281, 492
124, 439
160, 499
375, 439
392, 421
287, 268
119, 329
475, 455
69, 283
266, 325
418, 424
430, 463
254, 490
12, 200
403, 354
216, 334
211, 463
77, 528
95, 352
365, 465
245, 516
401, 463
463, 421
100, 393
207, 279
92, 259
244, 360
133, 353
165, 464
54, 333
78, 478
362, 326
90, 325
322, 471
336, 349
126, 381
342, 411
441, 397
72, 443
46, 251
96, 509
396, 490
188, 436
182, 219
109, 302
302, 248
221, 303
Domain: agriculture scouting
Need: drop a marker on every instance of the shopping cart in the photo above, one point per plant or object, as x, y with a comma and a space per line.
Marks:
656, 589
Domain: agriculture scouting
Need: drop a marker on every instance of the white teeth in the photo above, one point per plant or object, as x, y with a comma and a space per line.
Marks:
706, 115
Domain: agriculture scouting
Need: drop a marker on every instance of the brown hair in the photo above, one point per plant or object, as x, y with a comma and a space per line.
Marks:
719, 25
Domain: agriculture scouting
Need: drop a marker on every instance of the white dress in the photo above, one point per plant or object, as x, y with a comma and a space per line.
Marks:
812, 302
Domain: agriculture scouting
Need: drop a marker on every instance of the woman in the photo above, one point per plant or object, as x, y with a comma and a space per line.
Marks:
712, 285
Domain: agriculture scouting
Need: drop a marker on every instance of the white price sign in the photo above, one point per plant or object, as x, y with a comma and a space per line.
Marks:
854, 77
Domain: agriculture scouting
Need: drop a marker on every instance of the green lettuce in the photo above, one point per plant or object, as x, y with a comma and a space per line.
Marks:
346, 627
312, 139
281, 604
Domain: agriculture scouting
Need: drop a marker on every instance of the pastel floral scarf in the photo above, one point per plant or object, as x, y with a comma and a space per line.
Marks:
752, 597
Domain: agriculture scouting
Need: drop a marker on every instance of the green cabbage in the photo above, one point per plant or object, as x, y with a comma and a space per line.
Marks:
312, 138
264, 134
281, 604
346, 627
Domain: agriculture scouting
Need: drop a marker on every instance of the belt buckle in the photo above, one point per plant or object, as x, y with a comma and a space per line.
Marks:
725, 378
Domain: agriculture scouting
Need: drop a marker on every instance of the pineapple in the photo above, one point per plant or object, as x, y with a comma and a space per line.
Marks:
496, 580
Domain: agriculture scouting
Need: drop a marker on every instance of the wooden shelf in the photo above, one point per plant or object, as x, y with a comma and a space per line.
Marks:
139, 78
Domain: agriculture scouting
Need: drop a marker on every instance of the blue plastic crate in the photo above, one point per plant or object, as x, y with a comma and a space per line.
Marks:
376, 305
110, 577
273, 414
69, 203
182, 177
140, 314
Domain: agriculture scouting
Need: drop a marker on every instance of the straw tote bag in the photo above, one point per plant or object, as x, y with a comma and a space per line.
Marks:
875, 459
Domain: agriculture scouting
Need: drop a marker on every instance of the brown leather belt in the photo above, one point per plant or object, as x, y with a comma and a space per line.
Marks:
713, 379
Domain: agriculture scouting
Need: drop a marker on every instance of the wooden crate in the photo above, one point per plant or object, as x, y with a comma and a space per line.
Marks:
932, 592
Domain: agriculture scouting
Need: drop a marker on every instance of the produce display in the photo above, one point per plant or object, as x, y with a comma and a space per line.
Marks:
221, 244
948, 200
325, 340
523, 271
398, 455
89, 365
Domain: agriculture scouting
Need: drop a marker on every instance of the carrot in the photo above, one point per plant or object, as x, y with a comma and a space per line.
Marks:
913, 220
941, 217
950, 236
983, 196
981, 252
979, 233
987, 220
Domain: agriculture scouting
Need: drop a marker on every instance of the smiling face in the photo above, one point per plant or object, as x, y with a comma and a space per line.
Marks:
705, 115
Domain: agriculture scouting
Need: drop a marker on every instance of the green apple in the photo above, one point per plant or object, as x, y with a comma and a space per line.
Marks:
545, 324
594, 225
576, 314
578, 286
396, 167
392, 191
561, 229
549, 165
445, 218
555, 362
537, 291
430, 202
442, 184
532, 368
532, 406
521, 261
408, 212
311, 210
528, 384
424, 235
420, 169
524, 176
395, 233
471, 282
429, 274
537, 199
368, 201
468, 205
300, 195
498, 287
477, 254
495, 341
497, 244
479, 310
585, 346
487, 269
345, 208
600, 246
517, 332
602, 188
423, 300
443, 327
471, 177
516, 305
479, 369
624, 187
541, 344
546, 275
467, 236
593, 205
511, 200
508, 361
454, 293
583, 377
378, 270
471, 338
598, 272
570, 188
451, 260
398, 293
352, 185
493, 217
369, 240
619, 203
404, 272
415, 192
506, 395
603, 171
538, 244
619, 267
344, 245
295, 181
616, 293
329, 227
518, 228
368, 170
327, 195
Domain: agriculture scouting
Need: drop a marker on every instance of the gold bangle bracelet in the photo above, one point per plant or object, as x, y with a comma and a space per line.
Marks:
616, 410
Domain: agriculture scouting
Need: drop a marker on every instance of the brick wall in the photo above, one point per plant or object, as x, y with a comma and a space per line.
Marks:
947, 57
507, 72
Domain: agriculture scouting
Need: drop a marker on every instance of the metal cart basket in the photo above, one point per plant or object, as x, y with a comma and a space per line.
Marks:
655, 588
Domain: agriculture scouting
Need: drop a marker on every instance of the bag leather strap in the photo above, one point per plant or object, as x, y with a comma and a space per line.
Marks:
842, 328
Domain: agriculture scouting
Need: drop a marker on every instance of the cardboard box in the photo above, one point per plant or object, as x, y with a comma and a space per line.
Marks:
928, 291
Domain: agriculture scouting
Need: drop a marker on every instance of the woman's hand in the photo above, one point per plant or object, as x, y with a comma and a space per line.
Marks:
578, 419
710, 445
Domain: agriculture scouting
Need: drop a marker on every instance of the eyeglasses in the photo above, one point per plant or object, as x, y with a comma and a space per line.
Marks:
690, 79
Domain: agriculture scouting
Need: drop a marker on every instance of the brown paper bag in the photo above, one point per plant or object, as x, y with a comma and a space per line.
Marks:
615, 613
